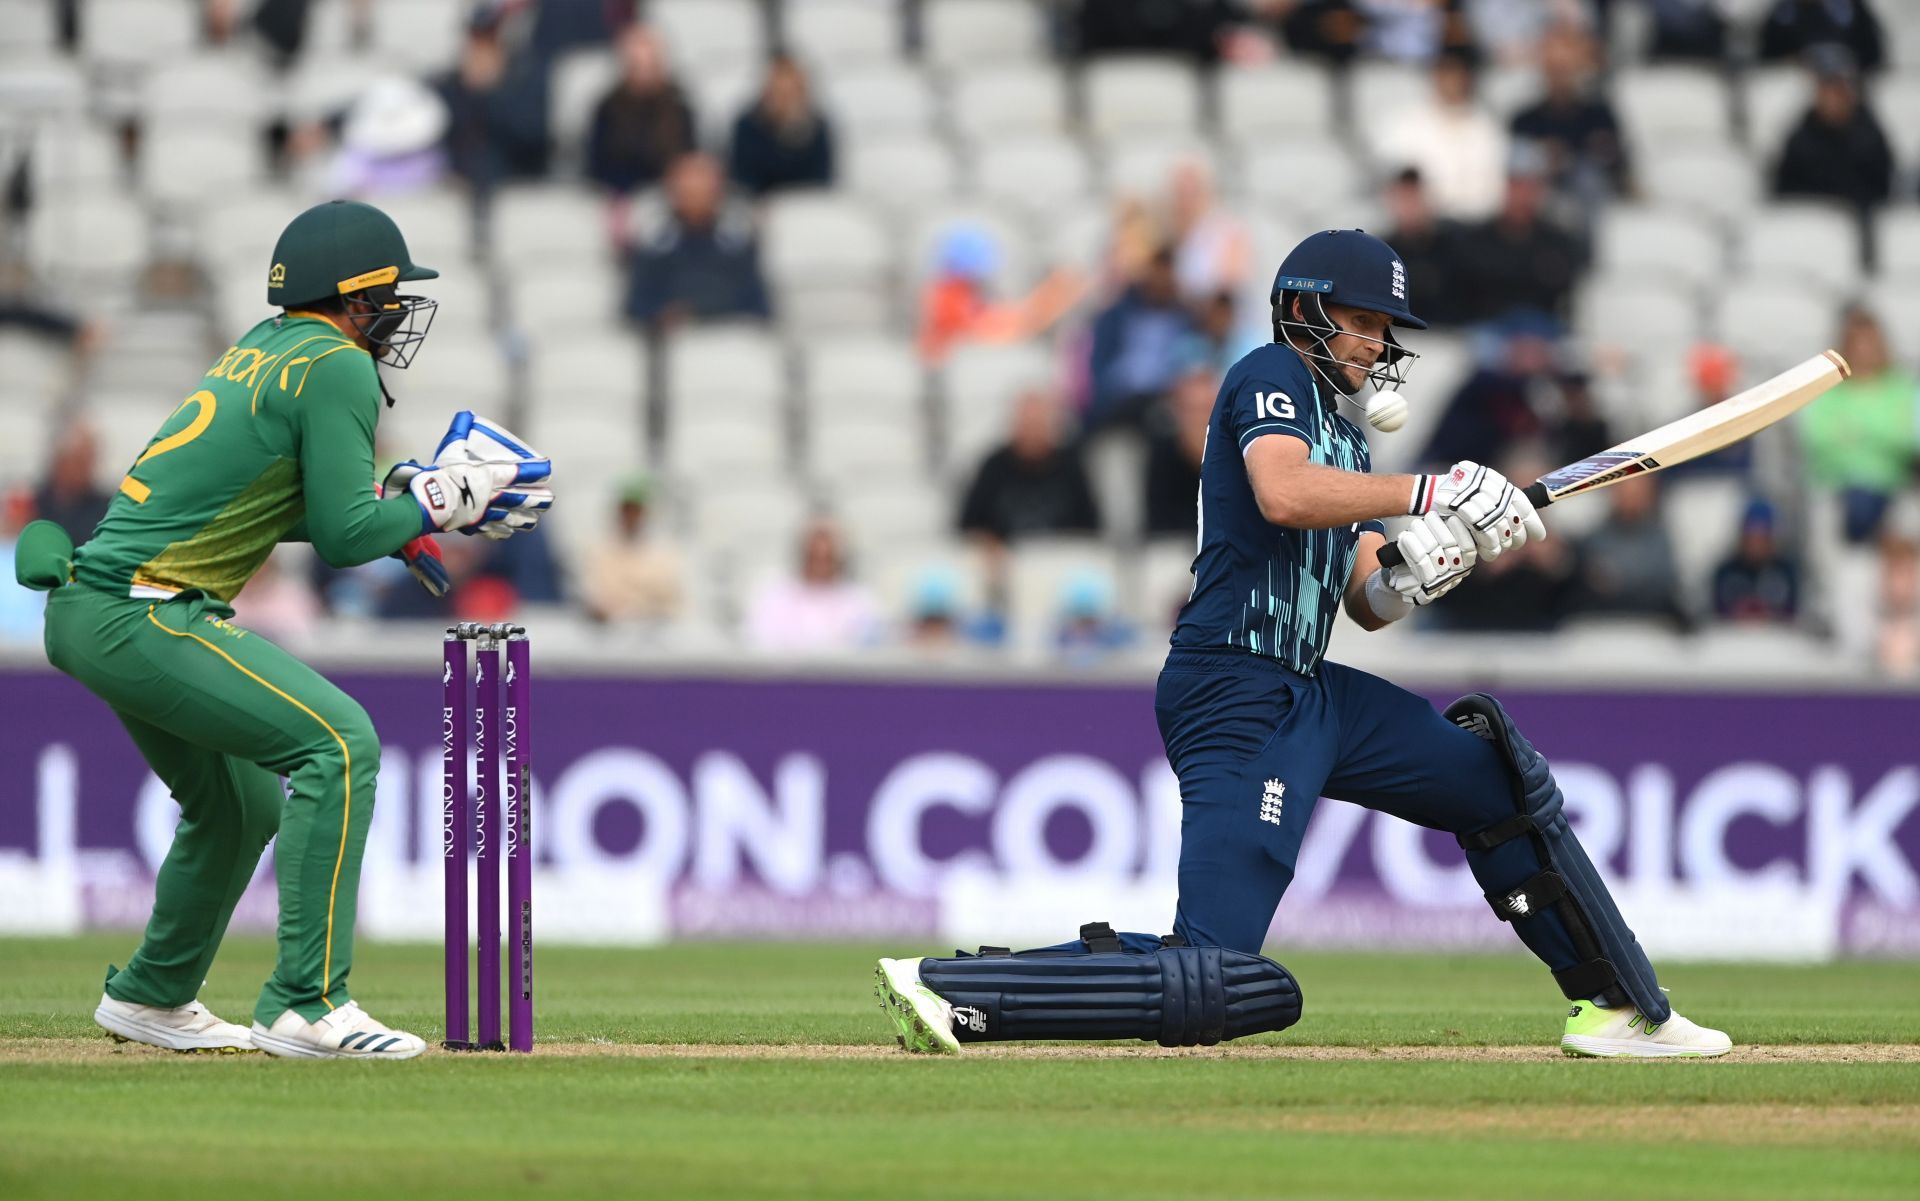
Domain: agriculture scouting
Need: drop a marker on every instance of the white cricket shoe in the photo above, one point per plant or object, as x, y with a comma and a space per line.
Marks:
1624, 1032
349, 1032
190, 1027
922, 1017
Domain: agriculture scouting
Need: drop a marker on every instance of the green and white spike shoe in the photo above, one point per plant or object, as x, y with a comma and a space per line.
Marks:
922, 1017
1624, 1033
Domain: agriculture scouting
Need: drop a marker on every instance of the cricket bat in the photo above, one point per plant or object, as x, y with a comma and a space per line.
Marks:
1734, 419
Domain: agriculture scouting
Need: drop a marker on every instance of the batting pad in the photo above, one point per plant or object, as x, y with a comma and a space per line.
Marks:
1175, 996
1568, 885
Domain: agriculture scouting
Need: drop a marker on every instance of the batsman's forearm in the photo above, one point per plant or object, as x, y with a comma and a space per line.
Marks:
1309, 496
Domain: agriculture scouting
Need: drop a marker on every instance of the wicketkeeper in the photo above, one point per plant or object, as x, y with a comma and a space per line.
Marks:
1258, 725
274, 444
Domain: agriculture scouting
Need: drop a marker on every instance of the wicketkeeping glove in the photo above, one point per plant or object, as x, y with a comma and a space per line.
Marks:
483, 480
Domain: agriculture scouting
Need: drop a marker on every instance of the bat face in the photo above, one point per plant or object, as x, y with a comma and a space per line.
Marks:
1732, 420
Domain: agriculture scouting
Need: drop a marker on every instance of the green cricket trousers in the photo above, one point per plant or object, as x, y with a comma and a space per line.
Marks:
221, 714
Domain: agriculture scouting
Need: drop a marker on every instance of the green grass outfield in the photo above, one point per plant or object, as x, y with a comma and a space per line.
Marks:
734, 1071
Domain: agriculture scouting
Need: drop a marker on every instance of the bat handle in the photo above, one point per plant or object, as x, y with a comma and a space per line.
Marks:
1536, 492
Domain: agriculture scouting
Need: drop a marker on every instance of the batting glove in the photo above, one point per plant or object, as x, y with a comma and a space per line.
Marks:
1496, 514
1438, 553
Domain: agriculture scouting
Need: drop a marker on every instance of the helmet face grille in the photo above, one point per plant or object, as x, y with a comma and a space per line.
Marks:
396, 325
1317, 328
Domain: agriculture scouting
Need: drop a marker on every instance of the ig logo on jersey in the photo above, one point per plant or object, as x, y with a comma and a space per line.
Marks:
1272, 404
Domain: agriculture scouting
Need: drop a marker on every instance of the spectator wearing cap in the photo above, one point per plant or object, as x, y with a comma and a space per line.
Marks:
1794, 27
1088, 630
1839, 149
782, 140
1757, 584
1713, 372
957, 305
704, 261
1458, 147
496, 109
1033, 484
644, 123
635, 576
1573, 123
937, 620
1521, 261
1860, 439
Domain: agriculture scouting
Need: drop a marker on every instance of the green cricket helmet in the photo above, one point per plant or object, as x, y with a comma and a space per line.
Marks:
344, 249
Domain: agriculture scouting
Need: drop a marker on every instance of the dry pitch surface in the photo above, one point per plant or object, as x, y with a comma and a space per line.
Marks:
729, 1071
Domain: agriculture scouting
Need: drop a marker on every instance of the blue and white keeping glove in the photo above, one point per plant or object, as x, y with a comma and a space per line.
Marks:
483, 480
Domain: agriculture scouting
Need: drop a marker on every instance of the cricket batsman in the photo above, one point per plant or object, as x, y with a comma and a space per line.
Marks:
1258, 725
274, 444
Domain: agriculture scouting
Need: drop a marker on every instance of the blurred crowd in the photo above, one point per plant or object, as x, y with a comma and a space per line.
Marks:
1496, 212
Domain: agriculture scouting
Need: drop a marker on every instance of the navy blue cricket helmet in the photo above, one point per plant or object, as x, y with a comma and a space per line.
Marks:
1350, 267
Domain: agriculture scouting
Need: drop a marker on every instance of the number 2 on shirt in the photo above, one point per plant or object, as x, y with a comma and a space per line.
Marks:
204, 401
1276, 405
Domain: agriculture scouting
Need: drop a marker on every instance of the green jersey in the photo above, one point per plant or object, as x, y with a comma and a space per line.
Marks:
276, 444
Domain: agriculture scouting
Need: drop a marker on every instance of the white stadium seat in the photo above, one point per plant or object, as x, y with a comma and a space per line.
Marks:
840, 449
1637, 315
437, 224
715, 448
1289, 99
725, 369
95, 233
1282, 173
463, 366
1802, 240
718, 97
550, 225
28, 32
222, 87
704, 34
580, 80
906, 516
1035, 175
589, 370
193, 164
843, 32
757, 514
1658, 104
1897, 243
1651, 241
1377, 90
1708, 177
1507, 90
1893, 301
1775, 98
1139, 96
322, 86
1038, 573
819, 238
961, 32
578, 296
865, 377
141, 31
878, 101
903, 174
978, 388
1144, 168
1768, 322
422, 33
999, 100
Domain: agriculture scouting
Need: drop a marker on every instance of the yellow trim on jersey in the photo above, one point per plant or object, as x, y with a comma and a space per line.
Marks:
288, 364
372, 279
134, 488
170, 589
316, 363
346, 816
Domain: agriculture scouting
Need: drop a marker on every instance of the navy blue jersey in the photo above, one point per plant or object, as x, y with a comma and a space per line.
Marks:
1258, 586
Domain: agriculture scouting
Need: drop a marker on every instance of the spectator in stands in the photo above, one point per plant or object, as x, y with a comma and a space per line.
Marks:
563, 25
782, 140
1838, 149
1089, 630
1860, 440
645, 123
1430, 247
20, 609
1193, 29
1897, 641
1173, 453
1223, 339
1457, 145
1212, 251
956, 305
1035, 483
1758, 584
278, 603
1328, 29
1415, 31
497, 108
1628, 565
821, 608
24, 303
1498, 407
704, 262
1522, 261
634, 576
70, 495
1136, 347
1510, 32
1578, 428
393, 140
1794, 27
1714, 373
938, 622
1687, 29
1573, 122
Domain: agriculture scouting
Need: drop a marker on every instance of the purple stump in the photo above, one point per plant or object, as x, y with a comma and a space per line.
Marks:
518, 761
453, 829
486, 836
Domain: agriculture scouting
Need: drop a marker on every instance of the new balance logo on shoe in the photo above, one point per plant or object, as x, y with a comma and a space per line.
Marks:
1519, 904
1477, 724
966, 1017
1270, 801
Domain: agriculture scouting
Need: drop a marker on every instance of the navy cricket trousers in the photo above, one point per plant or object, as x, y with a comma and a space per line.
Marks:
1233, 721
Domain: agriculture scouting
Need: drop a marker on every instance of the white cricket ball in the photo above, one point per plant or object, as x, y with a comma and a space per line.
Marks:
1387, 411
